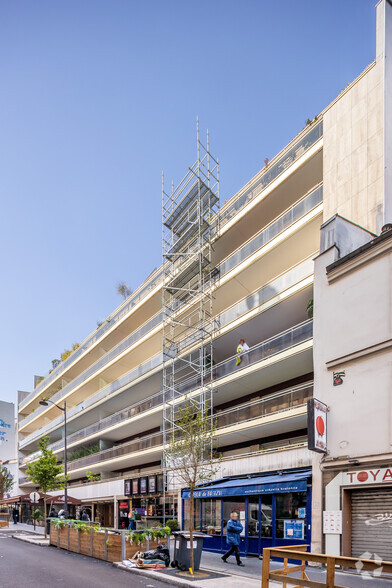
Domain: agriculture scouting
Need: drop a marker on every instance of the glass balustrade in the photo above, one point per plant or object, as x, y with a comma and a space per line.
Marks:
279, 402
135, 298
284, 221
271, 173
130, 447
107, 358
281, 223
277, 286
227, 212
272, 346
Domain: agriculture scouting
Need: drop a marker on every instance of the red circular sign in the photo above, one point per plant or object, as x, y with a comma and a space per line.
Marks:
362, 476
320, 426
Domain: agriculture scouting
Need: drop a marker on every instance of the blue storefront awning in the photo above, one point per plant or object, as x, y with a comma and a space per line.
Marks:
293, 482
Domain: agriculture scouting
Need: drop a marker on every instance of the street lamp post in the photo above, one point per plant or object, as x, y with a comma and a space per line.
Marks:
64, 409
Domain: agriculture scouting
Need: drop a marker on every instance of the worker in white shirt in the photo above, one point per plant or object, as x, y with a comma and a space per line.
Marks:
242, 350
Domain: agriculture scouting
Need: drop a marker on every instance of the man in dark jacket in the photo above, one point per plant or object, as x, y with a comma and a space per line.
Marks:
233, 537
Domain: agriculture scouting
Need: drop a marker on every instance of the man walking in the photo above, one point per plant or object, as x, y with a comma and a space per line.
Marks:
233, 537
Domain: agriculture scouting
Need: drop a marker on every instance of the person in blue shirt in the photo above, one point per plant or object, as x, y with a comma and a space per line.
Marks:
233, 537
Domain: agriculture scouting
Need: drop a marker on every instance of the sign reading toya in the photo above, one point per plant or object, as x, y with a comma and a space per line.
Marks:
294, 486
7, 431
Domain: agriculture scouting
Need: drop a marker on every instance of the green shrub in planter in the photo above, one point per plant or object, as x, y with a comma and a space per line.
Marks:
173, 525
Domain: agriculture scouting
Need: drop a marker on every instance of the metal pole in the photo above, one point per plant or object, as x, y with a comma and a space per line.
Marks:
65, 461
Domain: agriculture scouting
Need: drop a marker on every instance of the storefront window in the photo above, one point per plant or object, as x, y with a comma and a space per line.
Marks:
266, 516
196, 514
211, 523
253, 517
291, 515
229, 506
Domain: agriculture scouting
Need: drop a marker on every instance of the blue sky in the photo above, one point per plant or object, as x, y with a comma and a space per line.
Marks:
98, 97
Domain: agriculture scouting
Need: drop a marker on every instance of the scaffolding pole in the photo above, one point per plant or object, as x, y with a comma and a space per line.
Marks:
190, 216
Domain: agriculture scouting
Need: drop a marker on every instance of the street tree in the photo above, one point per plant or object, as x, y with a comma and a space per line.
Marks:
46, 472
123, 290
6, 481
190, 454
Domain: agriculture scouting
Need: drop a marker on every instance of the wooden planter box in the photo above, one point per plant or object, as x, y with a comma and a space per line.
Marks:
59, 537
94, 544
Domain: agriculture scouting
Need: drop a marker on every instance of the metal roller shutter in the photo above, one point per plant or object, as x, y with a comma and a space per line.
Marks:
372, 522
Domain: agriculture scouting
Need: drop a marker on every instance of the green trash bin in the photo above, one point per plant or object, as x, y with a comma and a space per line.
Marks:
182, 550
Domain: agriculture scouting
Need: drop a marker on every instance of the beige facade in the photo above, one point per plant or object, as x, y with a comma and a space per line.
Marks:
353, 153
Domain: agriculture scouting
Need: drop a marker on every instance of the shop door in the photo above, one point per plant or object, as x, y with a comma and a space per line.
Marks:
232, 505
372, 523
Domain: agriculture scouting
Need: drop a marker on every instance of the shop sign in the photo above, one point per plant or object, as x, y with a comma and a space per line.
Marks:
373, 476
293, 529
295, 486
317, 426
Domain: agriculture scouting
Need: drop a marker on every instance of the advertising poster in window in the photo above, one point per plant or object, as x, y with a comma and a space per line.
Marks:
152, 486
143, 485
135, 486
127, 487
293, 529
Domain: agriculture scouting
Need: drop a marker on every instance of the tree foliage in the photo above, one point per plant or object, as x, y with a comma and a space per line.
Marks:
45, 472
6, 481
123, 290
190, 453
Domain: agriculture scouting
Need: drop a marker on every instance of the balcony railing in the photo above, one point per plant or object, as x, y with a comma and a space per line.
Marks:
98, 365
273, 404
271, 173
121, 382
134, 299
283, 222
227, 212
287, 219
278, 286
277, 344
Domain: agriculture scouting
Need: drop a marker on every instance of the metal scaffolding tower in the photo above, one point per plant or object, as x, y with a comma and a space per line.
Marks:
189, 221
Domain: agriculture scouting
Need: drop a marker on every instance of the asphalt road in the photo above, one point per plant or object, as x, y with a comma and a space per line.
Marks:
23, 565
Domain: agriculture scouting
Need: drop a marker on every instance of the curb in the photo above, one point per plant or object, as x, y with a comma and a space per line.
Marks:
39, 541
155, 574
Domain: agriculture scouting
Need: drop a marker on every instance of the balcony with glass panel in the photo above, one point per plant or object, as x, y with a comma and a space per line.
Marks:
295, 150
298, 278
265, 237
285, 409
226, 378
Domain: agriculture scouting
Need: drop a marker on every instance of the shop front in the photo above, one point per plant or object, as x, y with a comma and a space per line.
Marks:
148, 504
358, 513
274, 509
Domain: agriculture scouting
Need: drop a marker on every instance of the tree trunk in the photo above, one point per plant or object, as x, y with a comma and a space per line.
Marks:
46, 535
191, 527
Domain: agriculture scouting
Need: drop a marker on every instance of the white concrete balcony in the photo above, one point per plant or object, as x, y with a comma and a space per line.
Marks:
297, 279
283, 412
307, 207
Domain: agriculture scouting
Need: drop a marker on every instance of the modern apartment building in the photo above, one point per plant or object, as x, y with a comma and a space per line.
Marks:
261, 272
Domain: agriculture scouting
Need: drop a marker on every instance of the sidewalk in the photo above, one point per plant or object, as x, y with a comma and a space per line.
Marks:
23, 527
228, 575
